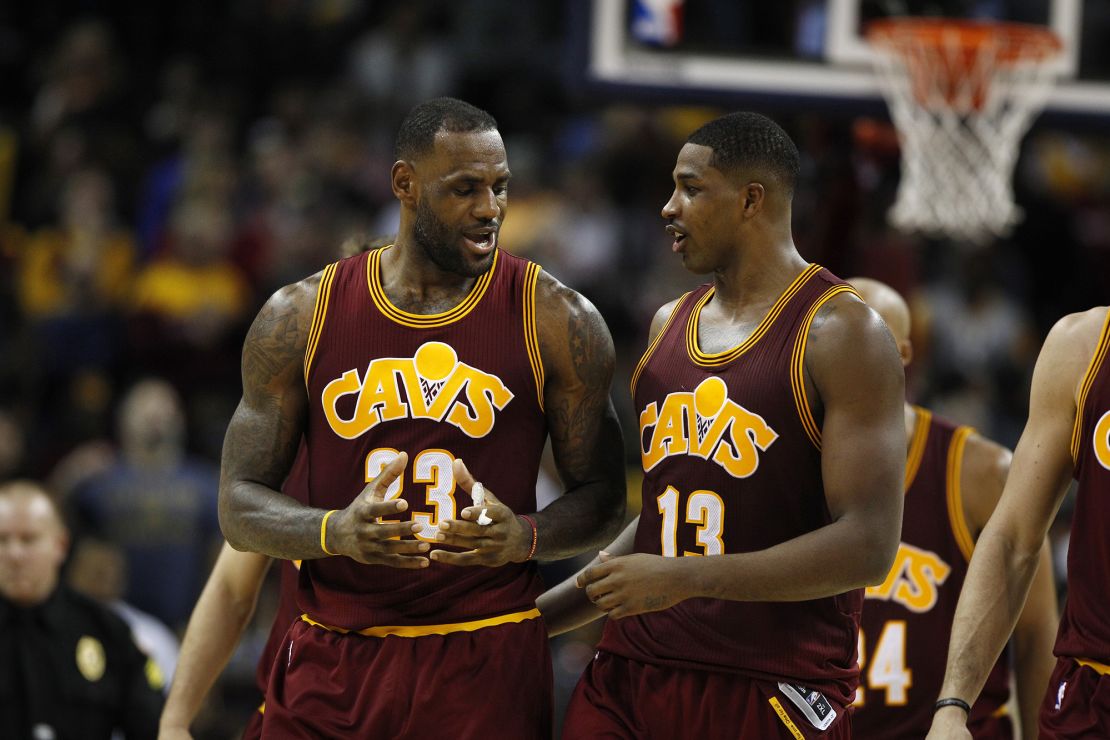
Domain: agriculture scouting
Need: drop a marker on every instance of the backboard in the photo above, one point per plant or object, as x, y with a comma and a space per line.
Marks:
812, 51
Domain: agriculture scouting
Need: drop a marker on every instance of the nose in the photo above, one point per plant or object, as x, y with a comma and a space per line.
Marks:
487, 208
670, 208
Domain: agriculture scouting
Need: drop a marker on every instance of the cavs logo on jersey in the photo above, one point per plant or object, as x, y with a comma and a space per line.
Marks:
706, 424
914, 580
1102, 441
435, 386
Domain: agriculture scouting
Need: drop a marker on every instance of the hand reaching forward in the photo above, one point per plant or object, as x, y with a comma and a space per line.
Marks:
357, 533
633, 584
505, 539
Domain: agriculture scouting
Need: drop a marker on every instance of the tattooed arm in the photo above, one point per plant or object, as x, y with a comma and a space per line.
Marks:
262, 440
578, 358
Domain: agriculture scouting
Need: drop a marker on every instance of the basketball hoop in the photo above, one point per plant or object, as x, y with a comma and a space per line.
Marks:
962, 94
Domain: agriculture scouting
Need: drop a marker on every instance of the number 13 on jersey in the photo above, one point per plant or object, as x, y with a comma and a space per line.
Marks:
704, 509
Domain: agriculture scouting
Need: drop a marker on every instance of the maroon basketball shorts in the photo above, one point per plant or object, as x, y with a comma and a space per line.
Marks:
487, 684
622, 698
1077, 702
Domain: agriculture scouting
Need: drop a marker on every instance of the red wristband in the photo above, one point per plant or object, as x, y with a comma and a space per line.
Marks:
532, 523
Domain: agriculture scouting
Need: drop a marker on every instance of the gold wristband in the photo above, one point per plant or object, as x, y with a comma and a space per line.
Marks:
324, 532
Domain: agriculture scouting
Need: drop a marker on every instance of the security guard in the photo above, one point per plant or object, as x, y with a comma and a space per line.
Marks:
68, 665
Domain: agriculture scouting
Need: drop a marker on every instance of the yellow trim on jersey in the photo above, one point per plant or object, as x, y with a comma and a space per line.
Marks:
917, 443
531, 337
424, 321
262, 708
797, 363
956, 517
655, 343
319, 313
1085, 387
422, 630
790, 726
1095, 666
717, 359
1002, 711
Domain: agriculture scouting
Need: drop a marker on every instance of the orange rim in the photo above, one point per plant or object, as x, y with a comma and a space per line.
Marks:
1012, 41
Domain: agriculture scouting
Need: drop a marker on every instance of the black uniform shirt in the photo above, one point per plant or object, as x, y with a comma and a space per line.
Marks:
70, 669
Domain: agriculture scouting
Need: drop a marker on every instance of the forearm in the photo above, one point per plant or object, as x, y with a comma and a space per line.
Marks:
997, 582
838, 557
565, 606
257, 518
1033, 641
214, 630
582, 519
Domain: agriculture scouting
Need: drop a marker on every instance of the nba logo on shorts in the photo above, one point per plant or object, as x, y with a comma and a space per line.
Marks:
1060, 693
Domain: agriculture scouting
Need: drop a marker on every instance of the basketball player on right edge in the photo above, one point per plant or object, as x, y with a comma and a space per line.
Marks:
1067, 435
772, 441
954, 478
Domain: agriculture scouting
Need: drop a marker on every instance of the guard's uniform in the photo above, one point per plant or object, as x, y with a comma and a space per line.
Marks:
732, 463
1077, 703
907, 620
444, 651
70, 669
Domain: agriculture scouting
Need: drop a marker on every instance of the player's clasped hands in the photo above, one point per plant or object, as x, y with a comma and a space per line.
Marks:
632, 584
506, 539
357, 533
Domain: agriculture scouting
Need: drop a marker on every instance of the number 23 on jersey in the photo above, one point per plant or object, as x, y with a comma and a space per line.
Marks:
430, 468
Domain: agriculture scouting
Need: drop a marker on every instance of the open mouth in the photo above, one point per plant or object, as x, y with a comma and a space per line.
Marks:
679, 237
481, 241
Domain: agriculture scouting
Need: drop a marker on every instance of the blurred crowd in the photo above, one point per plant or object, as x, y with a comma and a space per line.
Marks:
165, 168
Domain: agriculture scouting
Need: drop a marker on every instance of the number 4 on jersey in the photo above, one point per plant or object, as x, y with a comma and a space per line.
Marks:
888, 665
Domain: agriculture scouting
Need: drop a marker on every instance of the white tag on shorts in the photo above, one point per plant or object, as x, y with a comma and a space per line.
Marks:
811, 703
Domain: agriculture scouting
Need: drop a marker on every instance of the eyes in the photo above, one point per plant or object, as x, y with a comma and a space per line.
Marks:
468, 190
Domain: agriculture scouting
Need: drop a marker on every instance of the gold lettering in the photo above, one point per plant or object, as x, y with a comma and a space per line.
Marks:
1102, 441
669, 436
344, 385
484, 392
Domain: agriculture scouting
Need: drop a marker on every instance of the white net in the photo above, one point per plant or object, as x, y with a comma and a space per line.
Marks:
962, 95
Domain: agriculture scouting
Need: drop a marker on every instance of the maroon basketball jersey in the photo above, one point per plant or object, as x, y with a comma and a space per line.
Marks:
907, 620
463, 384
732, 463
1085, 625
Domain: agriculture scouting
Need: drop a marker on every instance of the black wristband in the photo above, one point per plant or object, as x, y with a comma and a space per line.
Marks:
953, 702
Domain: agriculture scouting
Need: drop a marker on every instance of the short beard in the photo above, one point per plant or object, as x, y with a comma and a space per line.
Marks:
435, 239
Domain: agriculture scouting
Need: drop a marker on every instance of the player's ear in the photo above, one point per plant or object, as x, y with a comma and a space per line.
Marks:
751, 198
403, 181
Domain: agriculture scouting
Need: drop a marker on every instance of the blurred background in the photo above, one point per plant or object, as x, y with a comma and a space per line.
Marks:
164, 167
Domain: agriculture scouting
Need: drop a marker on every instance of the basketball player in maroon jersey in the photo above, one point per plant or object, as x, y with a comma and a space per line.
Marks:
771, 437
1067, 436
437, 350
954, 478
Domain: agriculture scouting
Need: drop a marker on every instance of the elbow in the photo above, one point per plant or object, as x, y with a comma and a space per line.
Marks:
229, 520
875, 565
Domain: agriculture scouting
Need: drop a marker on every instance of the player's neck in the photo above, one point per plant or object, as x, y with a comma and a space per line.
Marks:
757, 276
407, 271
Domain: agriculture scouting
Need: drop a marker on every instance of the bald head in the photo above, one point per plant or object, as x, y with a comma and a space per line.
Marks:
891, 307
33, 542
